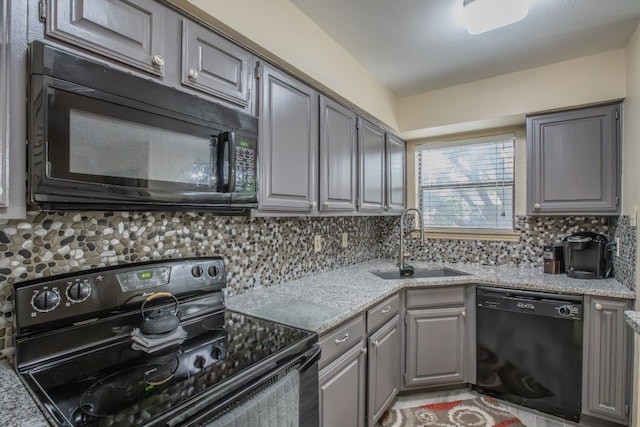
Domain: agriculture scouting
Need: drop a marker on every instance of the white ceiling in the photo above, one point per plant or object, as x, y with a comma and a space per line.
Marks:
414, 46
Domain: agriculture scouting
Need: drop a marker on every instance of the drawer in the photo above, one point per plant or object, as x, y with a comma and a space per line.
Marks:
340, 339
435, 297
382, 312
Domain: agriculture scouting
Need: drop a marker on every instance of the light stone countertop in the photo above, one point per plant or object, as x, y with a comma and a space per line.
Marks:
325, 300
633, 320
17, 407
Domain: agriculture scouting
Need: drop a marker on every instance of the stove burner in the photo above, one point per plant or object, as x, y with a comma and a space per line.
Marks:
124, 388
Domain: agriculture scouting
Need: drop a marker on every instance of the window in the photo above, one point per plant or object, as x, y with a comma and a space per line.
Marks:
468, 184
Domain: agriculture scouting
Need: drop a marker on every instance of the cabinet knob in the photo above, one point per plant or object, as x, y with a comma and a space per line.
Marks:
312, 205
343, 339
599, 306
158, 60
193, 74
386, 207
375, 343
363, 350
386, 310
325, 205
536, 206
463, 314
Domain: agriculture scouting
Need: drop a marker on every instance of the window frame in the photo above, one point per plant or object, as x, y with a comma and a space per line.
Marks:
490, 234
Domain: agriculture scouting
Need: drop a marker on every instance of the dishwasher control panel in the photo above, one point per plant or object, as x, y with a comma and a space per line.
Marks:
539, 304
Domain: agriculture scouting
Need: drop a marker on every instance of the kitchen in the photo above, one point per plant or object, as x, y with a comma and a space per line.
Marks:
55, 238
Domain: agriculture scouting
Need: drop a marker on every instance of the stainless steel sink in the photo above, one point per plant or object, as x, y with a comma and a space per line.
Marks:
420, 274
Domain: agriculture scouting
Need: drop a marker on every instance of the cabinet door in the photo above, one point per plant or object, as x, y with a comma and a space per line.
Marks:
573, 162
214, 65
372, 150
384, 369
434, 347
338, 151
342, 390
288, 143
605, 392
396, 176
4, 100
129, 31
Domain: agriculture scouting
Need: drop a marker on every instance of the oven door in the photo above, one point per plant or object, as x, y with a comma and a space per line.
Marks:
92, 148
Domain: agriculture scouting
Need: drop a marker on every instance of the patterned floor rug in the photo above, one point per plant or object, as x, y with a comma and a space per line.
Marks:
481, 412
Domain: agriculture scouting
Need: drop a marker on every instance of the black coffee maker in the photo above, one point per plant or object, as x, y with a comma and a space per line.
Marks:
586, 255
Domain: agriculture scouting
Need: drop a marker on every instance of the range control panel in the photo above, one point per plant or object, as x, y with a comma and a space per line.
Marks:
81, 294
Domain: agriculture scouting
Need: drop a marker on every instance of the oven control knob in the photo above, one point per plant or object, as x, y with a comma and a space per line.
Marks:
199, 362
45, 300
197, 271
214, 270
78, 292
216, 353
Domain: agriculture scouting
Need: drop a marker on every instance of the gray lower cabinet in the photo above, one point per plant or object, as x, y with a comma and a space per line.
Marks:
434, 337
573, 161
214, 65
288, 144
338, 157
606, 370
371, 146
342, 377
384, 369
128, 31
395, 186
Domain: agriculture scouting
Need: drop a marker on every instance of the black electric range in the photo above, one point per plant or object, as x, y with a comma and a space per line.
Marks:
74, 347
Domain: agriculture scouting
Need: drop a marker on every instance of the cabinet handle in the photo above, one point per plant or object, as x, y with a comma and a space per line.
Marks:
386, 310
158, 60
312, 205
363, 350
375, 343
536, 207
599, 306
386, 207
325, 205
193, 74
463, 314
343, 339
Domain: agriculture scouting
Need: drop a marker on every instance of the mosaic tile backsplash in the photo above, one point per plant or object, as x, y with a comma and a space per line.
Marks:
258, 251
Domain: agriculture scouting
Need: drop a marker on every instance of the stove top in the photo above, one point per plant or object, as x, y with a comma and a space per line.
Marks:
86, 373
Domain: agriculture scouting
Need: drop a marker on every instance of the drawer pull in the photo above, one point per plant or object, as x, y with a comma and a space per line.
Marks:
386, 310
599, 306
343, 339
158, 60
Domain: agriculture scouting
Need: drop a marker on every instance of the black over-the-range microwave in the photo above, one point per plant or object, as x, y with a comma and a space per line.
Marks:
101, 138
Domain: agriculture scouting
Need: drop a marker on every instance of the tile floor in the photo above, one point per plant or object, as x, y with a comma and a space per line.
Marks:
529, 417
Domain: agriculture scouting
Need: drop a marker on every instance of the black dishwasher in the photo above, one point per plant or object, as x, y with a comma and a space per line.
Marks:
529, 349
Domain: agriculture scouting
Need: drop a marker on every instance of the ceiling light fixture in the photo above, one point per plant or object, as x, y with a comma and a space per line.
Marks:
484, 15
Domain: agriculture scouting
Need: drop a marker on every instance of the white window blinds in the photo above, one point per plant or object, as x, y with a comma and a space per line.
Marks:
467, 184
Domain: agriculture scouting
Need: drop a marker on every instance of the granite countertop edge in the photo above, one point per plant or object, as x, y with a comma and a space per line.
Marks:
633, 320
349, 291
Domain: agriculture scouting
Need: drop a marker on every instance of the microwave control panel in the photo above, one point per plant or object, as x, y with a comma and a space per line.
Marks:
245, 158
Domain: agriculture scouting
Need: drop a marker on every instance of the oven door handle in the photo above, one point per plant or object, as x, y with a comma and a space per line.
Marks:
310, 357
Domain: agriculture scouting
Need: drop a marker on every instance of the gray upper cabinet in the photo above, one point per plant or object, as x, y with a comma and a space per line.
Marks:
288, 143
606, 370
129, 31
371, 145
396, 176
338, 157
383, 369
4, 101
214, 65
573, 160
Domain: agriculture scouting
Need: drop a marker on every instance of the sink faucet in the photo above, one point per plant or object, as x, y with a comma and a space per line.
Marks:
407, 270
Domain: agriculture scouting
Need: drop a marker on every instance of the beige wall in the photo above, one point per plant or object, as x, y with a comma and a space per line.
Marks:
505, 99
631, 175
282, 29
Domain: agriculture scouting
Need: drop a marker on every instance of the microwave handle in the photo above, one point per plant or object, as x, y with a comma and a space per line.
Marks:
228, 142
